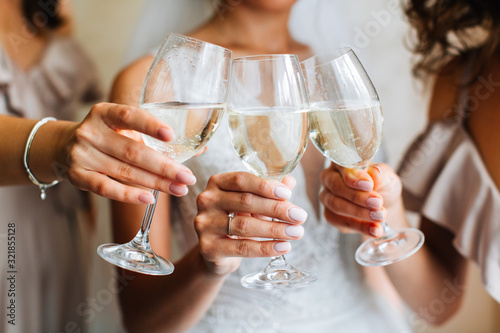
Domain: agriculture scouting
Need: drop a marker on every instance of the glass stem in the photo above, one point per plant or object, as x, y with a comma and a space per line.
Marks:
141, 240
388, 232
277, 263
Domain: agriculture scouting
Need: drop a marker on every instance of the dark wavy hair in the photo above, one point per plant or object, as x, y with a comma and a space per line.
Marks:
43, 8
453, 29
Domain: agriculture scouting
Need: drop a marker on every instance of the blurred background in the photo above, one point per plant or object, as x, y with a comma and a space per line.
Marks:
114, 32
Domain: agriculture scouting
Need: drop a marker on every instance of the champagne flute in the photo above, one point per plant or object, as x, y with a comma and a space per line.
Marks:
346, 126
269, 128
186, 87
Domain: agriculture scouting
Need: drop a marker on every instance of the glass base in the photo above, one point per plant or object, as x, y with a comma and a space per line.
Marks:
278, 278
135, 259
390, 249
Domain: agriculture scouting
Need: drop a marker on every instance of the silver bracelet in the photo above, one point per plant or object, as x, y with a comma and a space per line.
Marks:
33, 179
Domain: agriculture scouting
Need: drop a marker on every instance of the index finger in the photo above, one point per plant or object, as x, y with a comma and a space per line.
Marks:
247, 182
117, 116
355, 178
375, 172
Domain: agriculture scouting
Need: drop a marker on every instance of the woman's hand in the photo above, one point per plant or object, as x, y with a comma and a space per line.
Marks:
357, 200
105, 156
255, 201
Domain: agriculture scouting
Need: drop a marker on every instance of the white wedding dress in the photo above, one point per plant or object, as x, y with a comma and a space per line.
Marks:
339, 301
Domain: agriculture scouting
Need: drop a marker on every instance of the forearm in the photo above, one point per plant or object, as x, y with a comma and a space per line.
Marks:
46, 155
421, 279
172, 303
424, 278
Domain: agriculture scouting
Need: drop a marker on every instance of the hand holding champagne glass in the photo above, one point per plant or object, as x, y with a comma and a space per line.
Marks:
186, 87
269, 129
346, 126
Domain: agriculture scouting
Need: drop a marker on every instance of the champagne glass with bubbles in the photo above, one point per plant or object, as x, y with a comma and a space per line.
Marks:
186, 87
346, 126
268, 122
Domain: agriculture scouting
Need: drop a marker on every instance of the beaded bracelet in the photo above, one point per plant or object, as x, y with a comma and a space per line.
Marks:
33, 179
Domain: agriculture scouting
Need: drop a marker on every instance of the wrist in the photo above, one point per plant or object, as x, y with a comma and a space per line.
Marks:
48, 153
396, 214
212, 270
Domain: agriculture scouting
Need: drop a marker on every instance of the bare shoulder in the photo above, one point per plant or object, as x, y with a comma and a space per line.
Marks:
484, 118
127, 85
444, 95
483, 110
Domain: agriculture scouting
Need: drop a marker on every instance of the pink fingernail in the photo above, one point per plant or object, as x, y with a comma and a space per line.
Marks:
378, 215
365, 185
166, 134
185, 177
178, 189
282, 192
147, 198
294, 231
297, 214
282, 247
375, 203
375, 232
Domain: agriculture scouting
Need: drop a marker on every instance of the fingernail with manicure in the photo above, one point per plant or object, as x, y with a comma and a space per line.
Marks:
378, 215
178, 189
147, 198
166, 134
375, 232
297, 214
282, 246
185, 177
294, 231
282, 192
365, 185
374, 203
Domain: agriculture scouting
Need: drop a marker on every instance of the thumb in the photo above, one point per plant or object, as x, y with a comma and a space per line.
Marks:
290, 182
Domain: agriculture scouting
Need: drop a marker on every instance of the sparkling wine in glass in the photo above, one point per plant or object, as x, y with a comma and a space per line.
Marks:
186, 87
268, 122
346, 126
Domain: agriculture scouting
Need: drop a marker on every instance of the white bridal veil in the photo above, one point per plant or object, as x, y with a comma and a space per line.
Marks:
375, 29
